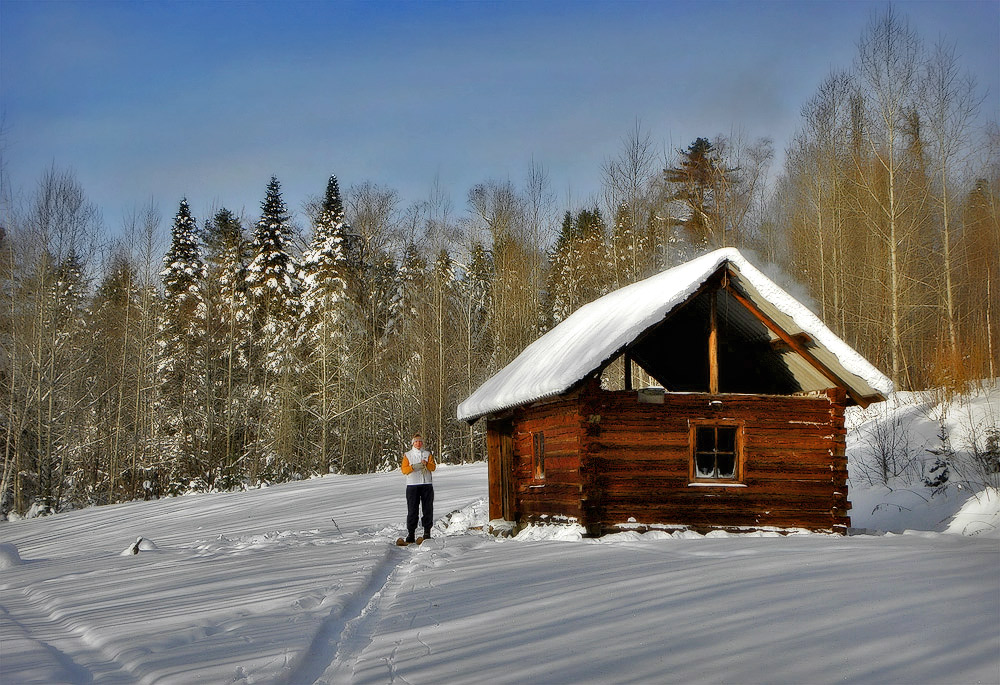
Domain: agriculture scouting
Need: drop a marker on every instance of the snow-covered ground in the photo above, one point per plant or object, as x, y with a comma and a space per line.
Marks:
300, 583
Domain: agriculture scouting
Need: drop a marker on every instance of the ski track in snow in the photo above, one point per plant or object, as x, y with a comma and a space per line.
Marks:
345, 631
345, 634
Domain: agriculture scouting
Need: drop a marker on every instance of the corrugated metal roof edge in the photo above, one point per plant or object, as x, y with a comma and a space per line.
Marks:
472, 418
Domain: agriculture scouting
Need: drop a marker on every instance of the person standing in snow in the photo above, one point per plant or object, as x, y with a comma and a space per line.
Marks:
418, 464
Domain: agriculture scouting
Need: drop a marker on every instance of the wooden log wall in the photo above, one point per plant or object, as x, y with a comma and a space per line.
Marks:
795, 470
559, 493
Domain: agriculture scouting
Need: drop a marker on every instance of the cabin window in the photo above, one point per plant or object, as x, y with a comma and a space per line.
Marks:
538, 455
716, 452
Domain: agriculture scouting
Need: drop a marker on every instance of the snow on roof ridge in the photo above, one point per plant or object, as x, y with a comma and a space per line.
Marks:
564, 355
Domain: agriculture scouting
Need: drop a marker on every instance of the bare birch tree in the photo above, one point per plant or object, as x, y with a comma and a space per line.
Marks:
951, 104
888, 67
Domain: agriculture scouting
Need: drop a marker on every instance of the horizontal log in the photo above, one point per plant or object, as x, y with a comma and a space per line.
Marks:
727, 499
817, 522
783, 442
706, 512
524, 442
528, 457
652, 436
559, 462
556, 423
623, 420
759, 468
690, 404
664, 436
675, 404
653, 489
777, 470
551, 508
750, 504
549, 490
777, 518
791, 461
555, 476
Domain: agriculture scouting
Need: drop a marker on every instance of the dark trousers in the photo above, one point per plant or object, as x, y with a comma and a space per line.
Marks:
422, 496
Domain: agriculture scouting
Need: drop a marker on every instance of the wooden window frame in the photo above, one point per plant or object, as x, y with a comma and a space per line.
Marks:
538, 456
738, 469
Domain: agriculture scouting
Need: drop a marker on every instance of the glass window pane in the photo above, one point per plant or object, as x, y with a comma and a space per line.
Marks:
705, 464
727, 438
727, 465
705, 439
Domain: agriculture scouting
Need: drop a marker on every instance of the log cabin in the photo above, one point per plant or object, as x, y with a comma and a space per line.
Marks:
704, 397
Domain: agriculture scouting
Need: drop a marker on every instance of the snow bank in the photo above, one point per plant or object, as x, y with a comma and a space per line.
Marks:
140, 545
9, 556
893, 446
979, 516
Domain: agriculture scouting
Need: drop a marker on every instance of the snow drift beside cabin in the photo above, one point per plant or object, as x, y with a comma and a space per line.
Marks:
598, 330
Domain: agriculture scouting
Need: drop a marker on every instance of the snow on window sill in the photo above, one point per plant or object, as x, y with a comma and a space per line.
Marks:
702, 484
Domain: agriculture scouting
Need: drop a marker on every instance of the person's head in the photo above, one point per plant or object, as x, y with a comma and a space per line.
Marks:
417, 441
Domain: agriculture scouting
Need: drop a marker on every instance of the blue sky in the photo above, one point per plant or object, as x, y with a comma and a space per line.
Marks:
154, 101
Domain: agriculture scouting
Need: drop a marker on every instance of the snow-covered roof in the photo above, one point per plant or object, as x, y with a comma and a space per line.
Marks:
600, 331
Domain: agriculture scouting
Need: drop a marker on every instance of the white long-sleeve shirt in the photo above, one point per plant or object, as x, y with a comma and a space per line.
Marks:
417, 467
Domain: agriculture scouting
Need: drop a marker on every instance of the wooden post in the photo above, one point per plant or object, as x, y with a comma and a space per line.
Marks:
494, 470
508, 506
713, 346
500, 458
627, 360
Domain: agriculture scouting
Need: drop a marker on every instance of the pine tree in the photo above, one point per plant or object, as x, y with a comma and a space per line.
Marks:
595, 269
274, 289
182, 365
327, 317
559, 280
272, 276
183, 266
324, 263
694, 187
579, 267
632, 249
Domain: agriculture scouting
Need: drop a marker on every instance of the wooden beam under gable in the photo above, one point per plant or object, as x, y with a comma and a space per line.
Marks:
805, 339
710, 284
792, 341
713, 344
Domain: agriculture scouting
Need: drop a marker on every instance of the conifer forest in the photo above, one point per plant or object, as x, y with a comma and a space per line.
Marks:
216, 352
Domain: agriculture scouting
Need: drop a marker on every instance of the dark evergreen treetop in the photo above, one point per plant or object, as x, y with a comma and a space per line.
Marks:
332, 202
324, 263
697, 164
272, 273
183, 266
223, 232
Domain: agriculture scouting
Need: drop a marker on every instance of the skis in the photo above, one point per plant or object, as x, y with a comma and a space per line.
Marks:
403, 543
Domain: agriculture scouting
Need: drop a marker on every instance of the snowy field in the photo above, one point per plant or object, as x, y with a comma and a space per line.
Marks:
301, 583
